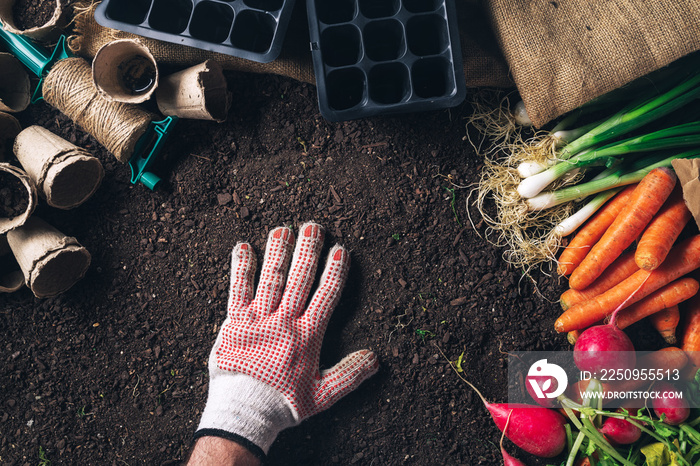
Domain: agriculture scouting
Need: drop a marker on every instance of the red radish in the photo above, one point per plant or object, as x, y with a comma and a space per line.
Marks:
537, 430
507, 459
605, 347
675, 410
620, 431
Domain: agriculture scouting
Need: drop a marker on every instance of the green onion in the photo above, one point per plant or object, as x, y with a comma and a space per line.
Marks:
573, 222
544, 187
685, 135
641, 114
619, 178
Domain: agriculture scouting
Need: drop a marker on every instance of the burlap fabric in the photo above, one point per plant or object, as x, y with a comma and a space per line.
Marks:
559, 53
562, 53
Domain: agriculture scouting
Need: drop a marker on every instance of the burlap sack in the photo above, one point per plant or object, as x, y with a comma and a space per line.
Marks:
483, 65
563, 53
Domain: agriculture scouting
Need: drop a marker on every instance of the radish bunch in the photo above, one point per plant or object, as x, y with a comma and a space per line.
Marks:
541, 430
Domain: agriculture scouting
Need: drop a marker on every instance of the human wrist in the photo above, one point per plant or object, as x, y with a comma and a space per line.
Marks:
213, 450
245, 410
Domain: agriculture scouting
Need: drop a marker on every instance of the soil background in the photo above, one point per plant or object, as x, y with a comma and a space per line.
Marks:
114, 371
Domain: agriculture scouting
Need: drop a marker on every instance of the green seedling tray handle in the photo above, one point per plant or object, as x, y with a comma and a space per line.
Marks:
147, 148
35, 57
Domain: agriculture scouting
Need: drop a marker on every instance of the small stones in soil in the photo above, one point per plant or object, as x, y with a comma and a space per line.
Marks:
224, 198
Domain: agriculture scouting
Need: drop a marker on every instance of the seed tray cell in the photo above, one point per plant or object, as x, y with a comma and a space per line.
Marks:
251, 29
385, 56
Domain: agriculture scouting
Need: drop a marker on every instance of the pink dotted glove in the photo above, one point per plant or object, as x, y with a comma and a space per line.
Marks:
264, 367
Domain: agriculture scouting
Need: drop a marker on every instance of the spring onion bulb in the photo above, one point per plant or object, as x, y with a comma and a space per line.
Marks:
573, 222
558, 139
619, 178
520, 115
685, 135
531, 168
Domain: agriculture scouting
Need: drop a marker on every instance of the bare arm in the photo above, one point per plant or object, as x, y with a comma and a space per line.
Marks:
217, 451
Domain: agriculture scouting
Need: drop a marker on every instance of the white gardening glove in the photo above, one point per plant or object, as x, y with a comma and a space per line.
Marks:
264, 367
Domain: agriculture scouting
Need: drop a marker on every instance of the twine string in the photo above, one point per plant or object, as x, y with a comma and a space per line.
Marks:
117, 126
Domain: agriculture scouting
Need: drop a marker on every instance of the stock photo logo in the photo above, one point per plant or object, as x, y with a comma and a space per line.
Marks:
545, 380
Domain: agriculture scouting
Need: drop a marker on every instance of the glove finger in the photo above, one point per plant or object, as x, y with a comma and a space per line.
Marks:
344, 377
303, 269
243, 265
278, 253
329, 289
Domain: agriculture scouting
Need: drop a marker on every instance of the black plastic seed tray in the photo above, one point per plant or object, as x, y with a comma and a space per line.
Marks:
251, 29
385, 56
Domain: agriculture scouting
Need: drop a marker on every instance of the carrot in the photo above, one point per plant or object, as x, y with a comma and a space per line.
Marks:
573, 335
690, 341
683, 258
623, 267
591, 232
662, 232
665, 322
646, 199
667, 296
666, 359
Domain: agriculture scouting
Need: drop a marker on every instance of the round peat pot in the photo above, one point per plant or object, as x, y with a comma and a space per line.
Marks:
125, 71
199, 92
50, 261
65, 175
11, 278
15, 93
9, 129
46, 32
17, 197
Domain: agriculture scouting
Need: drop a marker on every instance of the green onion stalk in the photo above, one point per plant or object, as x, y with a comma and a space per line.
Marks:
620, 177
676, 137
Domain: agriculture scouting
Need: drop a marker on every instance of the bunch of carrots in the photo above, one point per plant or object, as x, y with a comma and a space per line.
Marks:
650, 280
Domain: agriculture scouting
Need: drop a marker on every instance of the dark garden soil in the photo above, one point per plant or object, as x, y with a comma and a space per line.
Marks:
113, 371
13, 196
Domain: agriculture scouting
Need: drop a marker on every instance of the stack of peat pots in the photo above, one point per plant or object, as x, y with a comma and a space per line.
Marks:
32, 252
